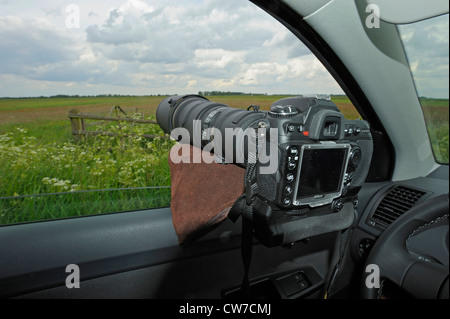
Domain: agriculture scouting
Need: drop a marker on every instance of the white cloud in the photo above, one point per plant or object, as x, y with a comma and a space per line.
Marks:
223, 84
191, 84
217, 58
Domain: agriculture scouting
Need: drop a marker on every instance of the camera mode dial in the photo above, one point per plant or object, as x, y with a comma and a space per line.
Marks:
283, 111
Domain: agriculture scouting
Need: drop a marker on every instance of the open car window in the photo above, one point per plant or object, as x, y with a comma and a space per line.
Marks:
80, 84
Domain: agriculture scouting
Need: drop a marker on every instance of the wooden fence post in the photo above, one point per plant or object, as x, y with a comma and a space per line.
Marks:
77, 125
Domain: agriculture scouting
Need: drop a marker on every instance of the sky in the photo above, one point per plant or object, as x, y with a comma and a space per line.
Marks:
427, 47
135, 47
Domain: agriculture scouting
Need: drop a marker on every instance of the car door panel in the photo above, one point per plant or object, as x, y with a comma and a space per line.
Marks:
136, 254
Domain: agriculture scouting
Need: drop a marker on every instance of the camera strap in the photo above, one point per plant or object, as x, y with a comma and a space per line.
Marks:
244, 207
337, 261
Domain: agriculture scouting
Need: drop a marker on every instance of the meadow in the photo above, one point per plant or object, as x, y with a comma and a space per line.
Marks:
437, 113
46, 174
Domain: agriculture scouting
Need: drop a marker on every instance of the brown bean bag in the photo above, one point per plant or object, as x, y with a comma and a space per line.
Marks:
202, 193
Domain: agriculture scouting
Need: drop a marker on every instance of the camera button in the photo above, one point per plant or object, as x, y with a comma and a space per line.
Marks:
290, 177
350, 131
288, 190
293, 151
291, 127
292, 165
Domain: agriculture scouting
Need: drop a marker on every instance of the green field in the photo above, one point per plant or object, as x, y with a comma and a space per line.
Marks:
33, 162
102, 174
436, 112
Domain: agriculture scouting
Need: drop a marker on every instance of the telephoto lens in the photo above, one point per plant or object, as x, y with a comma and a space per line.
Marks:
205, 123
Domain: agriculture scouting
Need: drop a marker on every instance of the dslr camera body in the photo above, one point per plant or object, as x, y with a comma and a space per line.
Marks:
322, 159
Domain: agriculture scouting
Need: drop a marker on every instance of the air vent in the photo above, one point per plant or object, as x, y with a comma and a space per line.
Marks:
396, 202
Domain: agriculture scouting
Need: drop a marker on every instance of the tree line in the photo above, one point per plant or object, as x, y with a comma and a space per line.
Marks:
207, 93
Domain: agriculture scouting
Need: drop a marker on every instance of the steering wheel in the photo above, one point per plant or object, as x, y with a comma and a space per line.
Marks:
419, 276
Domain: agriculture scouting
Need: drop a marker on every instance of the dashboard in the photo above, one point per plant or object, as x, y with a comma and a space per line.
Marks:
392, 222
383, 203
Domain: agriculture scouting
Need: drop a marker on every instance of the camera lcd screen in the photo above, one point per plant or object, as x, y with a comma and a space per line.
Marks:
321, 173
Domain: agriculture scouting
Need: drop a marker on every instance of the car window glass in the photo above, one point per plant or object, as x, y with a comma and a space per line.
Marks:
427, 48
80, 83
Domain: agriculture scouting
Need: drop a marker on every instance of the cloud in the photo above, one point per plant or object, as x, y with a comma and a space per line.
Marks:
27, 44
39, 51
124, 25
157, 47
172, 33
217, 58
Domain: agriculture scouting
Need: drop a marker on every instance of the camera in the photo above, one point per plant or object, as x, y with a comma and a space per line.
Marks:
311, 161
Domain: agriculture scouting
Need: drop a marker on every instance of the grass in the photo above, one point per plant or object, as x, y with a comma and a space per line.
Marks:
36, 208
49, 161
437, 113
39, 156
46, 132
14, 104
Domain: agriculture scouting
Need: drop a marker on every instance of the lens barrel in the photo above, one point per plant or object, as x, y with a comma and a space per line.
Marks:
191, 111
